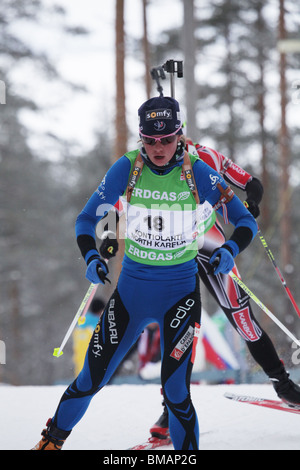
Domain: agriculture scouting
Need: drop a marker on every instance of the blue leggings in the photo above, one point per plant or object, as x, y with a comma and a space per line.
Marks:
175, 305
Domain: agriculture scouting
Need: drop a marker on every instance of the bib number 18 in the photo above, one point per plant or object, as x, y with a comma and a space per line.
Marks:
154, 223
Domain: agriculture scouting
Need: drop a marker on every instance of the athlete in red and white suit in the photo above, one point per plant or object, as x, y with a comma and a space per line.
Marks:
231, 298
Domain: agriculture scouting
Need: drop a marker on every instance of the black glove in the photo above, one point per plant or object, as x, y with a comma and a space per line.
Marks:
252, 207
109, 246
254, 190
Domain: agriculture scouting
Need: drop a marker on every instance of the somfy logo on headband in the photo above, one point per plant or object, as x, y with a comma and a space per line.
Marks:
159, 114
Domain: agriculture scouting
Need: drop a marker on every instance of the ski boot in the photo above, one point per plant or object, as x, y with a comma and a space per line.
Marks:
161, 428
285, 388
53, 438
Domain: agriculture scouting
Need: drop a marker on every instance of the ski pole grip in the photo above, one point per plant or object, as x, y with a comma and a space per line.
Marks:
102, 275
213, 266
216, 262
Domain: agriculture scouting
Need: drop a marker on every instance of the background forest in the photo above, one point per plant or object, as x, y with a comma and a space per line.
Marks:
239, 94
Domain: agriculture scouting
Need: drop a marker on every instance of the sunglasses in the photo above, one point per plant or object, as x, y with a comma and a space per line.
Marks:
165, 140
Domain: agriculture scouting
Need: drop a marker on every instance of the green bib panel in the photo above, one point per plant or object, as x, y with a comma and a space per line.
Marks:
162, 227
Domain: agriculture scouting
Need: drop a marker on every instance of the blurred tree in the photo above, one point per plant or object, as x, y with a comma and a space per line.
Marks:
37, 279
146, 50
120, 117
189, 49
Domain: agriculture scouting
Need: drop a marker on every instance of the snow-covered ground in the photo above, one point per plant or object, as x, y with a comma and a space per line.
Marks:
120, 416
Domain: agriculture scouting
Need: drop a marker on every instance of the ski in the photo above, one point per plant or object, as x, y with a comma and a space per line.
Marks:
264, 402
152, 443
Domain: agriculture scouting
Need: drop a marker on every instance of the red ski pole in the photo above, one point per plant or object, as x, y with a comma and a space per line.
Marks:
279, 273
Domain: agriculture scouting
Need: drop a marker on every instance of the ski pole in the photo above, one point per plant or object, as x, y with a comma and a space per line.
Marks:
157, 74
83, 307
81, 319
279, 273
173, 67
263, 307
80, 312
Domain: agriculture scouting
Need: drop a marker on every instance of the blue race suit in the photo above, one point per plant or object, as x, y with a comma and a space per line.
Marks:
167, 295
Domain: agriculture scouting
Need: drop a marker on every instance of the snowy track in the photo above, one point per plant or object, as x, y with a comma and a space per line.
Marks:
120, 416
